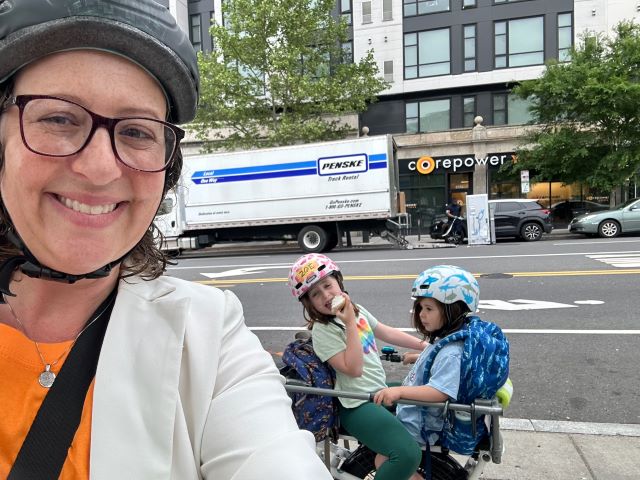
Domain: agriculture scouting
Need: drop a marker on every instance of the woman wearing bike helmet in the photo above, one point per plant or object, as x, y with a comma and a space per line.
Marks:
444, 296
345, 337
107, 369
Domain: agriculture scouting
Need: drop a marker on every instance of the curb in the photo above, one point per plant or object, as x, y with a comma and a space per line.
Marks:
563, 426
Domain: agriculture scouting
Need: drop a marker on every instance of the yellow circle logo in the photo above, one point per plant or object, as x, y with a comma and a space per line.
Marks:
425, 165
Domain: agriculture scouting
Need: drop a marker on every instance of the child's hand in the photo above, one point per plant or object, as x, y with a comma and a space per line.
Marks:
387, 396
409, 357
346, 313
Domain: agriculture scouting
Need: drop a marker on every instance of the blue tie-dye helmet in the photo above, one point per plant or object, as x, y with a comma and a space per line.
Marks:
448, 284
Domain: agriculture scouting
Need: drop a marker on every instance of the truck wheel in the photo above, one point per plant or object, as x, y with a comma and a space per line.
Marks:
313, 239
332, 242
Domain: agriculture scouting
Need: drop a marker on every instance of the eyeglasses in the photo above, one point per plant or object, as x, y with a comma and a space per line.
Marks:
56, 127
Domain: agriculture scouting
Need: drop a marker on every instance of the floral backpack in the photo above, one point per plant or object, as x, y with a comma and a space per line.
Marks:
315, 413
484, 369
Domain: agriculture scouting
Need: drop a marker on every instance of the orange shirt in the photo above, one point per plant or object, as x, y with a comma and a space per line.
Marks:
21, 396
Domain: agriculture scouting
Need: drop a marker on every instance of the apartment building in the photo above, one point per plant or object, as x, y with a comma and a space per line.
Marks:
449, 62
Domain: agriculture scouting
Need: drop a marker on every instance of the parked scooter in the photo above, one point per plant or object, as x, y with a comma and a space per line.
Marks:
450, 231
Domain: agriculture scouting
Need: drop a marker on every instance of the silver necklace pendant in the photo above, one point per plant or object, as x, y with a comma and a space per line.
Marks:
47, 377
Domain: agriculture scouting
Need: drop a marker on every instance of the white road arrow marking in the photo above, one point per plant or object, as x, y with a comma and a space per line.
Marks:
239, 272
521, 304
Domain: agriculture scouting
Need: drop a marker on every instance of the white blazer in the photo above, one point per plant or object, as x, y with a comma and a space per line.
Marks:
184, 390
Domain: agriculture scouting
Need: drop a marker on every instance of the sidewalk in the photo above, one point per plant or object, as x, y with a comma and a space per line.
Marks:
423, 241
537, 450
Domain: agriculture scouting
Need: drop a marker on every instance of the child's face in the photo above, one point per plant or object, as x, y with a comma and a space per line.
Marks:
431, 314
322, 293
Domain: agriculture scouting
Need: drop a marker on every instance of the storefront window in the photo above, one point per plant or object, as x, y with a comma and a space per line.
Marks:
425, 197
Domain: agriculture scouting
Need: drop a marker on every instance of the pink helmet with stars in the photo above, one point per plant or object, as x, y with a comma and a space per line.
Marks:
307, 271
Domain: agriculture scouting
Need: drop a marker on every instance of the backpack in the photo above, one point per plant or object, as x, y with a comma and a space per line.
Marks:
315, 413
484, 368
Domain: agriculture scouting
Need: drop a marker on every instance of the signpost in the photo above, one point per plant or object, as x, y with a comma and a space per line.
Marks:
524, 181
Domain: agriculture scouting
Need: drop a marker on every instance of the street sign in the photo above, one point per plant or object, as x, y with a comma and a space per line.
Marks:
524, 181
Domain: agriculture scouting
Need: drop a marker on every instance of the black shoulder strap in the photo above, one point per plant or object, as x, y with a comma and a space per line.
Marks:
45, 447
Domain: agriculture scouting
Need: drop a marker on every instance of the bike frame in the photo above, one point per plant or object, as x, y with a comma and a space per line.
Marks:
335, 454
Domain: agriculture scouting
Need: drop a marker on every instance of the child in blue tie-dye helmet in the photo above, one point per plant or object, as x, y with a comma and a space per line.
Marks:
345, 337
444, 296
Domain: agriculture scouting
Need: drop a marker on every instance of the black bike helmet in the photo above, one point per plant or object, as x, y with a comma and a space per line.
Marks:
141, 30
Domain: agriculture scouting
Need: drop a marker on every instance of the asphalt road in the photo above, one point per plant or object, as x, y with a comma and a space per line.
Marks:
568, 306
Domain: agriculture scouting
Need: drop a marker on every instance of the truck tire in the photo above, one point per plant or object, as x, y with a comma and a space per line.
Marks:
332, 242
313, 239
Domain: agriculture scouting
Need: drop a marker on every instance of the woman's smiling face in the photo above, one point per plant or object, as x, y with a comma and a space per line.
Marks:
78, 213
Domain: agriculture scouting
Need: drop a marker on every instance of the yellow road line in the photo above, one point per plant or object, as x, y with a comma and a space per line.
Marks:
227, 282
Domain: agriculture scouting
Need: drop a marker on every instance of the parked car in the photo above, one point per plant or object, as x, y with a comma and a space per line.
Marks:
564, 212
624, 218
519, 217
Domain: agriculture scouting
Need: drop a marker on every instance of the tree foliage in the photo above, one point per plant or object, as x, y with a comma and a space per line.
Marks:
589, 113
278, 75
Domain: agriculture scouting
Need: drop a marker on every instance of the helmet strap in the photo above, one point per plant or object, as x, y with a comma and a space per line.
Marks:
30, 266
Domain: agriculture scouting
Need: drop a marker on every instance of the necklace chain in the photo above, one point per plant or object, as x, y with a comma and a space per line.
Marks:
47, 377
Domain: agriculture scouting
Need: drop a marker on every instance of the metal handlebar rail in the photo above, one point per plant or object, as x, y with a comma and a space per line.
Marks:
480, 406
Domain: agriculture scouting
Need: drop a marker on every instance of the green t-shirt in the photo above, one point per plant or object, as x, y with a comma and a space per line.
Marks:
330, 339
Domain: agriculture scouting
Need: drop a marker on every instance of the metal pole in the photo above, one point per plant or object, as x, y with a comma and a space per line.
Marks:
485, 407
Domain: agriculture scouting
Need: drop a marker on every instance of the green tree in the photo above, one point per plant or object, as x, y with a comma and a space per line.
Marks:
588, 113
278, 75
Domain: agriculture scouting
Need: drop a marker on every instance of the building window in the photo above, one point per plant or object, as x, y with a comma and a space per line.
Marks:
468, 111
388, 71
469, 48
427, 54
428, 116
345, 10
510, 109
565, 36
421, 7
387, 10
366, 12
212, 22
195, 31
469, 4
519, 42
508, 1
347, 51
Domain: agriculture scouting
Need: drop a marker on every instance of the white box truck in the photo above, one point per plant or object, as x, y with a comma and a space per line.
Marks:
311, 193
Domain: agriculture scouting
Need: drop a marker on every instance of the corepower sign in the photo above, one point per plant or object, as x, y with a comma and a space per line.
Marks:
426, 165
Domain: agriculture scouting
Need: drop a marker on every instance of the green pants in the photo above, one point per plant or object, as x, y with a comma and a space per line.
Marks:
378, 429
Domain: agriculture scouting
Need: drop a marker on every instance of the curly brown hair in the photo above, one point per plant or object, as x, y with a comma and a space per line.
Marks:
311, 315
454, 315
144, 259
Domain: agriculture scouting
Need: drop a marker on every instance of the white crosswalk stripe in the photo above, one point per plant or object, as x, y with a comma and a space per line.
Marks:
622, 260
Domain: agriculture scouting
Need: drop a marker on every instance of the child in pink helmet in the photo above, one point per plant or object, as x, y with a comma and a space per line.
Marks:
345, 337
